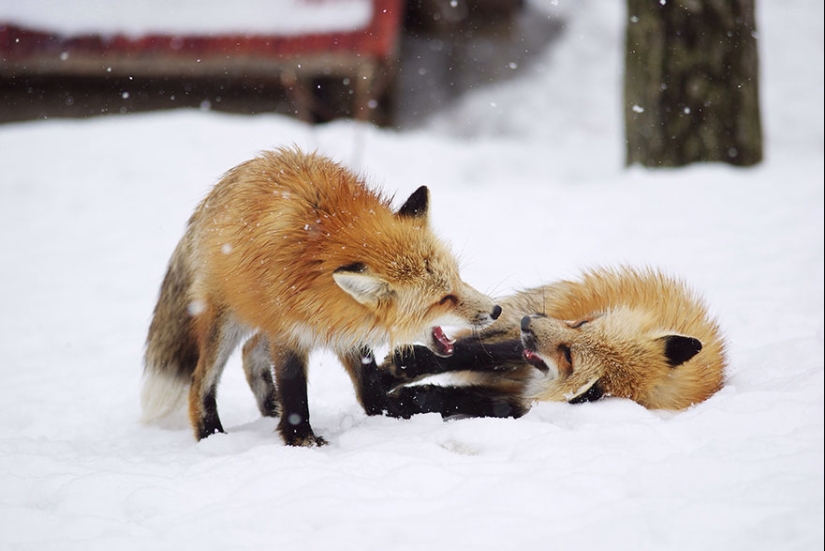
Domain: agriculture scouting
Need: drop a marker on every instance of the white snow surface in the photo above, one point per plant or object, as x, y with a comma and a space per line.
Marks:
527, 184
194, 17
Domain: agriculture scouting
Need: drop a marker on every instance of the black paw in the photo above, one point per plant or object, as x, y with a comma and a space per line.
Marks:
412, 362
306, 441
270, 406
209, 423
299, 433
206, 431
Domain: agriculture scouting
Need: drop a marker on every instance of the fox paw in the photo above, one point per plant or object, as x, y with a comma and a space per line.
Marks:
305, 441
299, 434
409, 363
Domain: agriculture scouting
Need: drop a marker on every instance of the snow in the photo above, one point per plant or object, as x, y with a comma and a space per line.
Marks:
135, 18
527, 192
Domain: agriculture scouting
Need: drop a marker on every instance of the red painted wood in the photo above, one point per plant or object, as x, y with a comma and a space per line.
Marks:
378, 40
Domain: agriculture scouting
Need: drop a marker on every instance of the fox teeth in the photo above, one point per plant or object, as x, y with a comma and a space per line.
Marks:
441, 340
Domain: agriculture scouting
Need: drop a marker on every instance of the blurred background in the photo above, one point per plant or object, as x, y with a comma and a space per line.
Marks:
691, 82
387, 61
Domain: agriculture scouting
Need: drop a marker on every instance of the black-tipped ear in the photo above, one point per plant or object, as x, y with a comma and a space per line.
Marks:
595, 392
679, 349
416, 205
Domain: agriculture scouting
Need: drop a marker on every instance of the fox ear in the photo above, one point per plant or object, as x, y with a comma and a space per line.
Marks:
363, 287
679, 349
416, 205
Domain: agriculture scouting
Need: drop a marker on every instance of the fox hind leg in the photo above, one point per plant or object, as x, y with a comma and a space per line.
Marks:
257, 365
221, 338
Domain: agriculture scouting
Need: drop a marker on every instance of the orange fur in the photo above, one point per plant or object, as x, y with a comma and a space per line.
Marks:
298, 249
629, 316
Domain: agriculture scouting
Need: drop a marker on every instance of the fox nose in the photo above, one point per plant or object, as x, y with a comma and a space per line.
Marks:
496, 312
525, 323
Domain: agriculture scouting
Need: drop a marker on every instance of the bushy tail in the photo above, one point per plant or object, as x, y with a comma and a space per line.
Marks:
171, 349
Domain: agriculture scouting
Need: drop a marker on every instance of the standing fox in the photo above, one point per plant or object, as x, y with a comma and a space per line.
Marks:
628, 333
297, 250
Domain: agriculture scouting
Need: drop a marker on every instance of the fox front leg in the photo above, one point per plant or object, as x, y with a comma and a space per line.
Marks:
455, 401
470, 354
291, 381
371, 382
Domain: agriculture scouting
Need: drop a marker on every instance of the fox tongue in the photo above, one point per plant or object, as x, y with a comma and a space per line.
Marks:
444, 344
533, 359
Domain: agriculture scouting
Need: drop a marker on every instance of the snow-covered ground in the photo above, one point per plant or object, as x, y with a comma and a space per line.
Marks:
527, 183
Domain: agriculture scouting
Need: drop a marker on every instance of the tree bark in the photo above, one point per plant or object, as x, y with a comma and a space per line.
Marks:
691, 83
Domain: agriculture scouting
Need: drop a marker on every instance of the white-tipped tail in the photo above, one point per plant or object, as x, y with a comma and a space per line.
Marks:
162, 395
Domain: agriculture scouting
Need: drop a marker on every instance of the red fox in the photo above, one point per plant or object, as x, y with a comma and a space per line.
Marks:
628, 333
297, 251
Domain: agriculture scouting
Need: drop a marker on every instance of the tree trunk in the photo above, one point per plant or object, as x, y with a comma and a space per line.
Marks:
691, 83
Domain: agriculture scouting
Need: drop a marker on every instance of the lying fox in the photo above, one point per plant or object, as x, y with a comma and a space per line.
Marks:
296, 250
627, 333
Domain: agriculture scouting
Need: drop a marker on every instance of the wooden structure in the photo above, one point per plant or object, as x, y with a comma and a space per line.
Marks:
692, 83
366, 57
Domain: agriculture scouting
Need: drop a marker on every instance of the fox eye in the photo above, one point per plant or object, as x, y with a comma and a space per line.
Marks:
578, 324
449, 298
565, 350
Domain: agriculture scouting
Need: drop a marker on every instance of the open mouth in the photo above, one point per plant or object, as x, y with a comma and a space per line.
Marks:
443, 344
535, 360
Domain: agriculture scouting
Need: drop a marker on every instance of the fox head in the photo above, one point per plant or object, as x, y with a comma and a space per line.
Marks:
409, 281
621, 352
